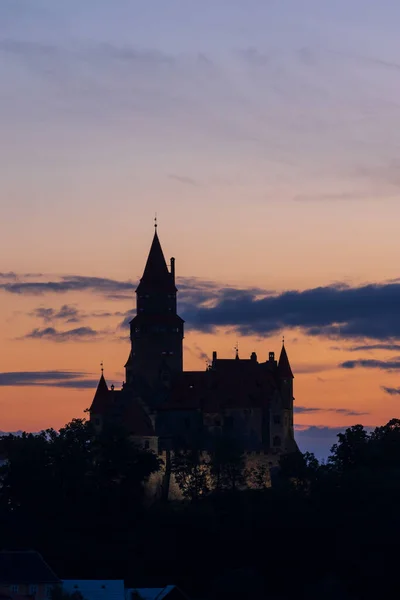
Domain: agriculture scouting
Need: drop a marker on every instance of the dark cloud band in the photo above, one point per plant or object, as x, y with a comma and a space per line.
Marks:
340, 311
60, 379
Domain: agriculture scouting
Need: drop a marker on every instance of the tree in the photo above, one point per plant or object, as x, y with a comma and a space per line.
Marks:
385, 445
72, 471
191, 473
351, 450
259, 476
227, 464
301, 469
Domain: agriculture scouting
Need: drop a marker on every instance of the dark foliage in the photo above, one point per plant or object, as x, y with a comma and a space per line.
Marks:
323, 530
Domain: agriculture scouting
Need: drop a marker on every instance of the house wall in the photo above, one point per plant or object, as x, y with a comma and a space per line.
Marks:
43, 590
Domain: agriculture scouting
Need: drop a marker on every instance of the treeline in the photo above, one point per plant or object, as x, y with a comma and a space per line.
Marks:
322, 530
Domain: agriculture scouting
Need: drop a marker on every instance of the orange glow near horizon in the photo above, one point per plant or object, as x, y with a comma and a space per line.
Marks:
268, 148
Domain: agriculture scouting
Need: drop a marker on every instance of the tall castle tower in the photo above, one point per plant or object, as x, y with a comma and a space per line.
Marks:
156, 332
165, 408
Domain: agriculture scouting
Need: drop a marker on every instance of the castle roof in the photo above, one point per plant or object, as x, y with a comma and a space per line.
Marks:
121, 408
284, 370
101, 397
250, 385
156, 275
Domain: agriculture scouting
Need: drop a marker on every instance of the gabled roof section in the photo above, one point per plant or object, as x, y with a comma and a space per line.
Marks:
25, 567
96, 589
156, 275
284, 370
101, 396
156, 593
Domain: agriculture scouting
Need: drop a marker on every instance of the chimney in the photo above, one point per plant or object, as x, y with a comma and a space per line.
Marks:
214, 360
271, 356
253, 357
173, 269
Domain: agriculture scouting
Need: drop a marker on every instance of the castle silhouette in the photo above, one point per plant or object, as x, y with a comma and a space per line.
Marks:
165, 408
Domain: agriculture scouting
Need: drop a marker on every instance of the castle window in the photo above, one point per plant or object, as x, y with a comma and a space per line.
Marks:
277, 419
14, 589
277, 440
32, 590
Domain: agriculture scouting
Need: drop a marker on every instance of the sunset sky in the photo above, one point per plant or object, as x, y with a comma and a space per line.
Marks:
266, 136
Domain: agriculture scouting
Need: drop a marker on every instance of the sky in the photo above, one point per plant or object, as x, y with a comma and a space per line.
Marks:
266, 136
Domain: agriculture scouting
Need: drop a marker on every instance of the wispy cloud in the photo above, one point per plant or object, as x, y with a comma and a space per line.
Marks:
198, 352
366, 363
184, 179
66, 312
50, 333
70, 314
372, 347
62, 379
392, 391
340, 411
73, 283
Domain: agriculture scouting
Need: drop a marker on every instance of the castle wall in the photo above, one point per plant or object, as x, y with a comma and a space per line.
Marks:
244, 424
163, 485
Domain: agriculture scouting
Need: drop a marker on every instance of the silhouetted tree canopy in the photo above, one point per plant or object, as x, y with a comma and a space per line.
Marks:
323, 530
72, 470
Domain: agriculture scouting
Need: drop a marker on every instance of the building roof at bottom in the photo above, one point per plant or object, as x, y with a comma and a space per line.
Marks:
96, 589
151, 593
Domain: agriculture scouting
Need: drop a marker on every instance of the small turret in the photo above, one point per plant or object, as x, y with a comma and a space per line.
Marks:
284, 370
101, 396
99, 405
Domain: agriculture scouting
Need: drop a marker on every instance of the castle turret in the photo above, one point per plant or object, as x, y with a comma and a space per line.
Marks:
286, 377
99, 404
284, 370
156, 330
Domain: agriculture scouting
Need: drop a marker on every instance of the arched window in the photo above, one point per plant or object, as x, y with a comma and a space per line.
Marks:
277, 440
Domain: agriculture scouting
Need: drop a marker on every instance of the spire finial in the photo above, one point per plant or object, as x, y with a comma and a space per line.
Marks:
283, 340
102, 367
155, 221
237, 351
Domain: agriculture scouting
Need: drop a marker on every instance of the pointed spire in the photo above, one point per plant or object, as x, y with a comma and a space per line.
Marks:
101, 395
156, 274
284, 369
102, 385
